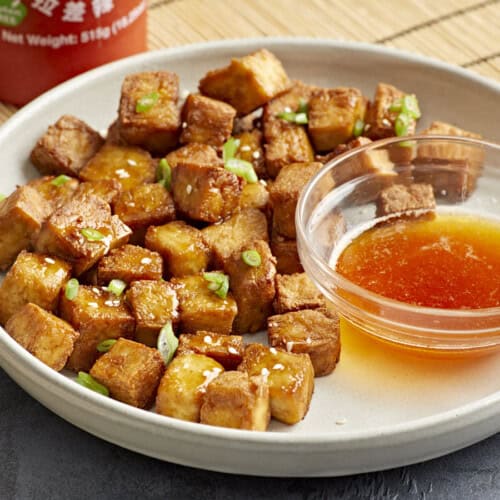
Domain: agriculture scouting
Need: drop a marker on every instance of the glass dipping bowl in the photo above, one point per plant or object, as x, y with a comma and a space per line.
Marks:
340, 202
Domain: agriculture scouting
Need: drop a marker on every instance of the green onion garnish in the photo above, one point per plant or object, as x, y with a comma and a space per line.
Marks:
358, 128
92, 234
402, 124
106, 345
145, 103
290, 116
229, 149
251, 258
164, 174
242, 169
91, 383
301, 118
303, 107
410, 106
396, 106
71, 290
218, 283
167, 343
60, 180
116, 287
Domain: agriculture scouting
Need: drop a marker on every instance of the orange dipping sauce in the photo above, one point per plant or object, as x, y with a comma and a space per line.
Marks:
444, 261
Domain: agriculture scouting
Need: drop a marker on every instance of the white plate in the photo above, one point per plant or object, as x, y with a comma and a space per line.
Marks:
376, 410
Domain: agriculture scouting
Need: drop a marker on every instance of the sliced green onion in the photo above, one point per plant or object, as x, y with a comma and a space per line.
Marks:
218, 283
145, 103
106, 345
92, 234
60, 180
402, 124
301, 118
91, 383
251, 258
396, 106
71, 290
116, 287
358, 128
167, 343
164, 174
288, 116
242, 169
229, 149
303, 107
410, 106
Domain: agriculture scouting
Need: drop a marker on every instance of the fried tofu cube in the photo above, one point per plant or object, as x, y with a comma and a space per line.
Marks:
129, 165
253, 287
290, 378
201, 155
225, 349
98, 315
399, 198
55, 191
205, 193
182, 388
312, 331
65, 147
148, 115
66, 232
207, 121
153, 304
286, 253
332, 116
242, 228
255, 196
202, 309
248, 82
144, 206
380, 120
131, 371
237, 401
285, 192
33, 278
182, 247
250, 149
21, 217
295, 292
107, 189
47, 337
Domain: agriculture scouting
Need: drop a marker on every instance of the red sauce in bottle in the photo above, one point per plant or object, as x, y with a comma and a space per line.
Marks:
44, 42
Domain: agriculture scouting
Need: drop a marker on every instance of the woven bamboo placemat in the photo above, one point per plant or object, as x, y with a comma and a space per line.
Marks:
462, 32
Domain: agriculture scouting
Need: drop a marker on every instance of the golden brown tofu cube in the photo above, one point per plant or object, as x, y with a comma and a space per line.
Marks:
130, 263
255, 196
206, 120
242, 228
205, 193
181, 246
285, 192
131, 371
399, 198
66, 147
44, 335
129, 165
148, 115
250, 149
21, 217
98, 315
153, 304
81, 232
107, 189
286, 253
201, 155
290, 378
202, 309
143, 206
237, 401
56, 191
380, 120
182, 388
248, 82
33, 278
225, 349
312, 331
253, 287
295, 292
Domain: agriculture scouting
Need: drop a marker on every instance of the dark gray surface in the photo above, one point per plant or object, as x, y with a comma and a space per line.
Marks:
44, 457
